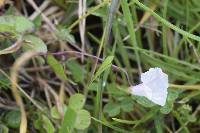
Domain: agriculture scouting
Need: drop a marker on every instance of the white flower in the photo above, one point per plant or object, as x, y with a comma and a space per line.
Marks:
154, 86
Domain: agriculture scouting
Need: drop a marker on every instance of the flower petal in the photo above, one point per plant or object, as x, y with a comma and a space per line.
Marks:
154, 86
141, 90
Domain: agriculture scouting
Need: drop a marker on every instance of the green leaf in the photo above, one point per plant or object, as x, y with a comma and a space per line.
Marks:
144, 101
83, 119
23, 24
13, 119
126, 104
34, 43
126, 121
93, 86
57, 67
77, 101
15, 24
7, 29
4, 82
69, 121
192, 118
185, 112
65, 35
172, 95
7, 24
55, 113
105, 65
38, 22
117, 94
112, 109
38, 121
48, 126
167, 108
102, 13
115, 129
76, 70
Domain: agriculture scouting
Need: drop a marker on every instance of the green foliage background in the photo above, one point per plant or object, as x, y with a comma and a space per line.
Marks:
75, 86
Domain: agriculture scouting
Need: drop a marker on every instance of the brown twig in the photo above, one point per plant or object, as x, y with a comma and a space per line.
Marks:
45, 18
81, 12
55, 95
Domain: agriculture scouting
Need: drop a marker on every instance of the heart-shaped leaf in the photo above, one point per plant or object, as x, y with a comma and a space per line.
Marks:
77, 101
83, 119
48, 126
34, 43
13, 119
69, 121
15, 24
112, 109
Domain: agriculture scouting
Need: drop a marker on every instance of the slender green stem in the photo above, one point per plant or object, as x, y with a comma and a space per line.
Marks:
166, 23
164, 29
185, 87
111, 126
166, 57
158, 120
128, 18
135, 20
175, 54
103, 44
122, 50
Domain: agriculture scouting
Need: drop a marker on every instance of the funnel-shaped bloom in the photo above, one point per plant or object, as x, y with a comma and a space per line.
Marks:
154, 86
